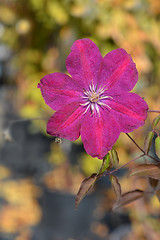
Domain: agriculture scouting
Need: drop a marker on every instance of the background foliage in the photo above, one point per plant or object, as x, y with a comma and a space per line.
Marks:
36, 37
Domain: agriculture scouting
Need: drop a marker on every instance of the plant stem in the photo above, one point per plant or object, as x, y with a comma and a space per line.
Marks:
124, 165
25, 120
154, 111
135, 143
152, 158
141, 148
155, 132
28, 119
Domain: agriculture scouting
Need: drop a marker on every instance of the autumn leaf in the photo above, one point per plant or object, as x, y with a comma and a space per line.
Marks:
146, 170
158, 194
128, 197
153, 182
116, 186
122, 199
148, 142
86, 185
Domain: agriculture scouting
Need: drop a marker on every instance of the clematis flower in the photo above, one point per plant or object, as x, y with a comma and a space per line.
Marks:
95, 102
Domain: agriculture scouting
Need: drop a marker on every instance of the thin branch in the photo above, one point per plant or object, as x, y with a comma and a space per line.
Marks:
29, 119
124, 165
155, 132
154, 111
135, 143
152, 158
142, 149
25, 120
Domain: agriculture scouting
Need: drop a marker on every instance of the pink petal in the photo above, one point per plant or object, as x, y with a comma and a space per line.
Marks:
83, 62
58, 89
129, 110
66, 122
118, 71
99, 133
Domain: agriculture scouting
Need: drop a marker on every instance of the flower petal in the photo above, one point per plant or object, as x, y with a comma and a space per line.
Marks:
118, 71
58, 89
83, 62
66, 122
99, 133
129, 110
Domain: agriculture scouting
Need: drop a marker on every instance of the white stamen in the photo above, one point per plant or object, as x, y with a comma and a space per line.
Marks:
108, 106
85, 104
97, 109
86, 93
101, 103
90, 87
84, 96
92, 108
103, 97
86, 109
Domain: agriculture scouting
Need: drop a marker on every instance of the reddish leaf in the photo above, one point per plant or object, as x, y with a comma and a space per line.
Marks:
116, 186
128, 197
86, 185
114, 159
106, 164
155, 121
158, 194
157, 146
153, 182
148, 142
146, 170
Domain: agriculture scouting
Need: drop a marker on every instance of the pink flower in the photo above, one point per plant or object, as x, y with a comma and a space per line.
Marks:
95, 101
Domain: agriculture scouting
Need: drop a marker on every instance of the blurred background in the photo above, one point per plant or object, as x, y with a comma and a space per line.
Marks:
39, 177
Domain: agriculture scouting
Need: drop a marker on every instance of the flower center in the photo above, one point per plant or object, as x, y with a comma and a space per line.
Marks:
94, 99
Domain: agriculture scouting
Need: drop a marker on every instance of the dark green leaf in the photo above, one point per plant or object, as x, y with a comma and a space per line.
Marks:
114, 159
148, 142
106, 164
155, 122
157, 146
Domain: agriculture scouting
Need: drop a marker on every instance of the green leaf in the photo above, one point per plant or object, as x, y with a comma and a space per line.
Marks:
155, 122
106, 164
86, 185
128, 197
146, 170
116, 186
157, 146
148, 142
114, 159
